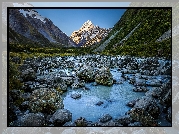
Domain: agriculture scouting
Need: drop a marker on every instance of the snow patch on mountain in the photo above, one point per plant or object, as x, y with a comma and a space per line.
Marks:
33, 14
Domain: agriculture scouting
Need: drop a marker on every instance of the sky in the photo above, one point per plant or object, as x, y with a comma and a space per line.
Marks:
69, 20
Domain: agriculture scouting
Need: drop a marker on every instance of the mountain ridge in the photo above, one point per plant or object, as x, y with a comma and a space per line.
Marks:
32, 25
89, 34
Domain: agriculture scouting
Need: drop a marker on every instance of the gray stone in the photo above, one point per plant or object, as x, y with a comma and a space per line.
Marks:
45, 101
105, 118
75, 95
99, 103
33, 120
61, 116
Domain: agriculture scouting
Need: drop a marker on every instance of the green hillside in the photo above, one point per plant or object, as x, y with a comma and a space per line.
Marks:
138, 30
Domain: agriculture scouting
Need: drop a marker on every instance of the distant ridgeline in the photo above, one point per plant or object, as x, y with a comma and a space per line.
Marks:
28, 25
139, 32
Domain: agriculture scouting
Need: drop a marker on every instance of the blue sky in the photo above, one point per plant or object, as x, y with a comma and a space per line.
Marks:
69, 20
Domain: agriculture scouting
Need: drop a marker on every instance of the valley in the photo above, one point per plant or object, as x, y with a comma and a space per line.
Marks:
119, 76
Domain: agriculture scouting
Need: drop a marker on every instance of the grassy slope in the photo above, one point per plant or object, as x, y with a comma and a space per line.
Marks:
154, 23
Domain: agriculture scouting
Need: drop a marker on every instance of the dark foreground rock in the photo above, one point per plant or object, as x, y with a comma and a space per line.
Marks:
32, 119
60, 117
45, 101
132, 103
124, 120
146, 111
81, 122
105, 118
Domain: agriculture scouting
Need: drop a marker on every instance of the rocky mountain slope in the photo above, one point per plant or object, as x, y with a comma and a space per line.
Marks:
139, 32
89, 34
30, 24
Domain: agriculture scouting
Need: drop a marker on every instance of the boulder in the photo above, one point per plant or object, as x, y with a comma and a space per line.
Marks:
45, 100
28, 75
150, 105
75, 95
146, 111
154, 83
132, 103
60, 117
78, 84
60, 85
140, 89
140, 82
142, 116
33, 120
86, 74
104, 77
99, 103
81, 122
124, 120
105, 118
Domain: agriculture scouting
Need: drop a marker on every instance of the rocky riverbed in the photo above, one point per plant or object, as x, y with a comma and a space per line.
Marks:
92, 90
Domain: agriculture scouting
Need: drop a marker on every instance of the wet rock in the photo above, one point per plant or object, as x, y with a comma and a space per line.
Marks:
59, 84
150, 105
81, 122
75, 95
124, 120
47, 120
163, 93
86, 88
142, 116
140, 89
99, 103
105, 118
140, 82
60, 117
145, 111
33, 119
95, 84
132, 103
78, 84
26, 96
45, 101
86, 74
68, 80
104, 77
132, 71
154, 83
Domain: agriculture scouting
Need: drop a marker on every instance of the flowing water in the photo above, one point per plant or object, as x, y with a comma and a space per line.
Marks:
114, 100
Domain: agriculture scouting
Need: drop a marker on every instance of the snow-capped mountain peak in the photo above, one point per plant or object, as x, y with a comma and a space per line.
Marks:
88, 34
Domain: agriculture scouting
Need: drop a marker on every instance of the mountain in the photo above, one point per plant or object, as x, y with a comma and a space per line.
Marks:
30, 24
139, 32
89, 34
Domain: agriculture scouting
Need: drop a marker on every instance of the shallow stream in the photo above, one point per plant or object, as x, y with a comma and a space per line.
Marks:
114, 100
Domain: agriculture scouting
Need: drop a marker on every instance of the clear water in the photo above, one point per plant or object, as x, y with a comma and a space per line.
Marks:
114, 100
